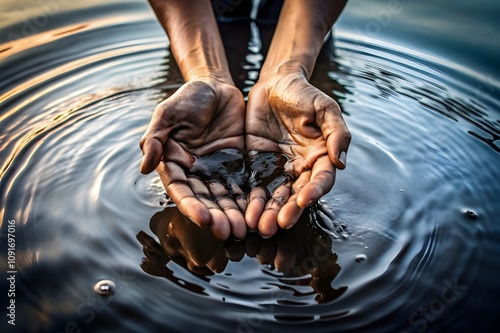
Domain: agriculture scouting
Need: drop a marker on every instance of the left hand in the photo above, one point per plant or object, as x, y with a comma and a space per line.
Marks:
287, 114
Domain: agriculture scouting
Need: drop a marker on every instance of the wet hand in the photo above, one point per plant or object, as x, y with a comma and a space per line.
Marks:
286, 114
201, 117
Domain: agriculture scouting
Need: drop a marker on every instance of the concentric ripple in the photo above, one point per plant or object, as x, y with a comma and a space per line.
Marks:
405, 240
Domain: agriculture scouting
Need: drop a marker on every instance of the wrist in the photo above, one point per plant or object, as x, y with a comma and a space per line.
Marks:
208, 74
288, 67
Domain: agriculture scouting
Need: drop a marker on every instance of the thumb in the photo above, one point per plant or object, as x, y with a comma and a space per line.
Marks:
336, 134
152, 149
153, 140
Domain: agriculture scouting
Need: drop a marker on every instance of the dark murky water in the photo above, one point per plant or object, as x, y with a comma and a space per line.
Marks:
406, 241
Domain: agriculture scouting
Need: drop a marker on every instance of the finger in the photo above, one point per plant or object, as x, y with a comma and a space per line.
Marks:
268, 222
220, 224
230, 208
256, 204
335, 132
198, 187
217, 189
152, 150
239, 196
291, 212
176, 184
321, 182
154, 138
234, 216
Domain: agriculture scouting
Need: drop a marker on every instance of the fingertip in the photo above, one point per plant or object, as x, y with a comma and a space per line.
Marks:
152, 149
240, 233
268, 224
220, 225
252, 216
237, 223
337, 144
255, 207
341, 161
203, 218
289, 215
309, 195
144, 168
196, 212
268, 230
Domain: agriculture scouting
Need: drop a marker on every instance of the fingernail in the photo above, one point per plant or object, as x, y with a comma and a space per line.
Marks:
309, 203
290, 226
342, 157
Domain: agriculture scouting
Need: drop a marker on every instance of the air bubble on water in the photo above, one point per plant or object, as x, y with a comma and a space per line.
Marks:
360, 258
105, 287
470, 214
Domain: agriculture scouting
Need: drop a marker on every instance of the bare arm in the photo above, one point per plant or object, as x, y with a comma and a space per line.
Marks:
194, 38
287, 114
300, 34
205, 115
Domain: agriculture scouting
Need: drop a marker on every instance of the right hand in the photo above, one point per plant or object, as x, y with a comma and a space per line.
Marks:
286, 114
203, 116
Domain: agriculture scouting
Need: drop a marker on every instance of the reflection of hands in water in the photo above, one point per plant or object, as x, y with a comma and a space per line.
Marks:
296, 252
200, 118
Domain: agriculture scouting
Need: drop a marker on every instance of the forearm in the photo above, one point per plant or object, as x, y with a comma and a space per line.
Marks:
300, 34
194, 38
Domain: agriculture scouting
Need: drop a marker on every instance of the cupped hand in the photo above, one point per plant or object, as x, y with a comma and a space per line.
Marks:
201, 117
287, 114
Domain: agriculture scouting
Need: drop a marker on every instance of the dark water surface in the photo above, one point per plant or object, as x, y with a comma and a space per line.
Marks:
408, 239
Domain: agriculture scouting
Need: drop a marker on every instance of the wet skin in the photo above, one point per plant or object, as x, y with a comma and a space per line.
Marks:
284, 114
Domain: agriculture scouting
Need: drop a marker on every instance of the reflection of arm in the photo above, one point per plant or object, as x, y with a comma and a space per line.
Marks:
194, 38
300, 33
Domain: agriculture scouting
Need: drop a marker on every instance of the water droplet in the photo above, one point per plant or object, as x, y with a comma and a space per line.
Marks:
360, 258
105, 287
470, 214
223, 299
401, 190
